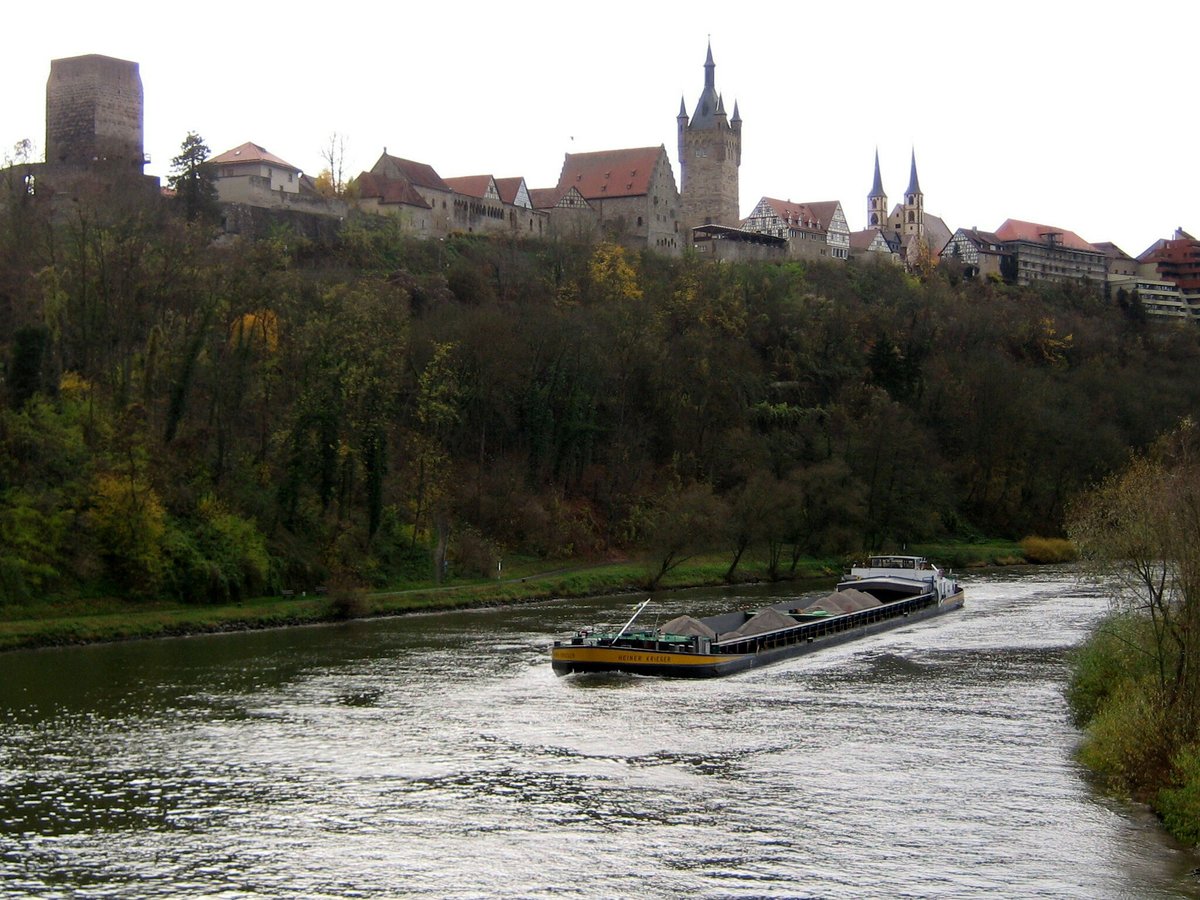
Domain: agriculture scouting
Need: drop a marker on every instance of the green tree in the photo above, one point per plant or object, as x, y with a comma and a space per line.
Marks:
681, 522
195, 192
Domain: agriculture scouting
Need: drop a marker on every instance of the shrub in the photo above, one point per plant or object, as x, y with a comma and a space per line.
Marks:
1128, 742
475, 555
1048, 550
215, 556
1112, 654
129, 524
1179, 805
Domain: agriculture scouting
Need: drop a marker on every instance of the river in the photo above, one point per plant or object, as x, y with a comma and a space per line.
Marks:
438, 756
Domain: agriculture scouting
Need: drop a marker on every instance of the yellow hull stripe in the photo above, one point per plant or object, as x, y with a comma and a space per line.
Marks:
636, 657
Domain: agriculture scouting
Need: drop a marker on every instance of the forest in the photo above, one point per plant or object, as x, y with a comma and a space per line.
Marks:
199, 417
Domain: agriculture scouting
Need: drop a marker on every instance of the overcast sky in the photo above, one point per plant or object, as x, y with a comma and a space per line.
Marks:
1073, 114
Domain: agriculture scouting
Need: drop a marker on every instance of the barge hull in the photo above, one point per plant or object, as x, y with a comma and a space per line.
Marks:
569, 659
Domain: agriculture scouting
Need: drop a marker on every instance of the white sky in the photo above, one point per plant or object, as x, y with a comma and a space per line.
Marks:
1080, 115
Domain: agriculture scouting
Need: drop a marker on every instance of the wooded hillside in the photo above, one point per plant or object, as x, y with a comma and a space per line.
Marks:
209, 421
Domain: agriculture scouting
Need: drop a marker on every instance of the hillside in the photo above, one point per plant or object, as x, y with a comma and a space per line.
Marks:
211, 421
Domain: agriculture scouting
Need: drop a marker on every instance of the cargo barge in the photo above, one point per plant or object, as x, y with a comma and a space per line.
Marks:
884, 593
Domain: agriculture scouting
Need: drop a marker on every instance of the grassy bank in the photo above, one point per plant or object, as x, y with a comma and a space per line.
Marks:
524, 580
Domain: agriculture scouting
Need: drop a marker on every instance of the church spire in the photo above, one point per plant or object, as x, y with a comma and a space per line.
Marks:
914, 203
877, 187
710, 78
914, 186
877, 213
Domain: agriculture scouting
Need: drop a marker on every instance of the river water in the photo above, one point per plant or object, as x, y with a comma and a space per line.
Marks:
438, 756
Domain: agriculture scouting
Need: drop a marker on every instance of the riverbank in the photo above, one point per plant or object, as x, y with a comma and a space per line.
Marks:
524, 581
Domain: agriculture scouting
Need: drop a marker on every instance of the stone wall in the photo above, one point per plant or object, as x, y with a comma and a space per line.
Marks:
478, 215
413, 220
255, 223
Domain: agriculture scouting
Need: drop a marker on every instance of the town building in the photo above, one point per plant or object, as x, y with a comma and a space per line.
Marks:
812, 230
870, 245
487, 205
397, 198
1117, 261
1164, 281
476, 205
1177, 260
568, 214
253, 176
980, 253
248, 171
1161, 300
396, 183
632, 193
724, 244
710, 153
1038, 252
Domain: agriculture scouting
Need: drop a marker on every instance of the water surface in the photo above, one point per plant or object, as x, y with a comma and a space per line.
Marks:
438, 756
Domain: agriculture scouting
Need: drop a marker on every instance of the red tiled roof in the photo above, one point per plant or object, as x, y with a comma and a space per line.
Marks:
389, 190
417, 174
802, 215
824, 211
544, 198
984, 241
1016, 230
251, 152
470, 185
862, 240
509, 188
610, 173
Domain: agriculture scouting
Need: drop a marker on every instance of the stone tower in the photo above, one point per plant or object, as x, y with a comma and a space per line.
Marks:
914, 204
94, 114
877, 211
710, 151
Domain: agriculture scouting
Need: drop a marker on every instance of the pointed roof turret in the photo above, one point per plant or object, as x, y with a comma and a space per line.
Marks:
914, 186
720, 104
682, 109
877, 187
707, 106
737, 116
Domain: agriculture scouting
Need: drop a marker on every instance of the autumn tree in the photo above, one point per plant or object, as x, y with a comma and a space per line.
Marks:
1141, 528
1136, 681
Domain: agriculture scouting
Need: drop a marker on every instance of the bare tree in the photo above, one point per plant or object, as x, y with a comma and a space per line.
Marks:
334, 155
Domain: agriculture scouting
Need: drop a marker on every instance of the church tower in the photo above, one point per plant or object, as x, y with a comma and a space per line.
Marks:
914, 204
877, 211
710, 152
